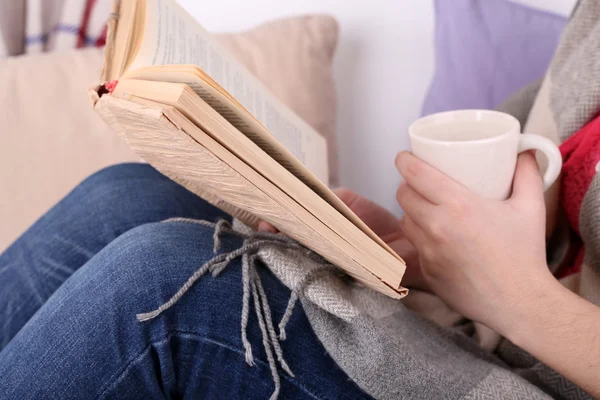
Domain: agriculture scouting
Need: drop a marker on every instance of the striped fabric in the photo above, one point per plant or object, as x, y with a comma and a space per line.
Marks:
35, 26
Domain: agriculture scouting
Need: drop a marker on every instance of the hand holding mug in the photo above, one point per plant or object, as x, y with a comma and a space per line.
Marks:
475, 214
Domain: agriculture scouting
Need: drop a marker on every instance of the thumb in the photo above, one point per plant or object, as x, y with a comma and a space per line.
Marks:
380, 220
527, 184
346, 195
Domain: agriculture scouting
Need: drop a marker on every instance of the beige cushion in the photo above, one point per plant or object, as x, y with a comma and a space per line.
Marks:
50, 139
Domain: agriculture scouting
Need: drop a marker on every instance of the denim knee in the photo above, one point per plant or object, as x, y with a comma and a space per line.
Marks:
151, 262
135, 194
124, 171
119, 184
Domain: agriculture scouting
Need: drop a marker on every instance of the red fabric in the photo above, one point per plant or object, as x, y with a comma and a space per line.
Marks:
110, 86
102, 39
580, 154
81, 40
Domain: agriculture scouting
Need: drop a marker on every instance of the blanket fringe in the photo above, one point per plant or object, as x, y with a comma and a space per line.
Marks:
252, 287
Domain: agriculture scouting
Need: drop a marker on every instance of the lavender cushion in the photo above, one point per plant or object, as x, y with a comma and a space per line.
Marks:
487, 50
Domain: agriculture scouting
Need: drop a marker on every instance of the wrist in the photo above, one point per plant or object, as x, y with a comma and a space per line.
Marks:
533, 309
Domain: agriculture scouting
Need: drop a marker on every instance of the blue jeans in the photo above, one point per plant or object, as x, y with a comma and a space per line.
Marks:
71, 286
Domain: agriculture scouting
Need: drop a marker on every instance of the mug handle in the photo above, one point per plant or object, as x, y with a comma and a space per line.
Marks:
535, 142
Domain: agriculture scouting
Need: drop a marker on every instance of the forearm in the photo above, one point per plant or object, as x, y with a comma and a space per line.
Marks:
562, 330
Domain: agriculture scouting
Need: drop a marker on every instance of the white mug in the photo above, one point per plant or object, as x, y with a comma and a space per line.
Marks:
479, 149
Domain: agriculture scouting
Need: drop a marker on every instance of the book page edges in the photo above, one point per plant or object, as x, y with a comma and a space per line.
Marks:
261, 137
366, 277
168, 122
208, 120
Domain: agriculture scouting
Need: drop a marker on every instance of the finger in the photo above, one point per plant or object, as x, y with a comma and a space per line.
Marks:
414, 233
412, 203
428, 181
264, 226
346, 195
379, 219
527, 184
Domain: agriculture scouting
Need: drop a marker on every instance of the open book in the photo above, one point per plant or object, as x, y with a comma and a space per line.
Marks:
192, 111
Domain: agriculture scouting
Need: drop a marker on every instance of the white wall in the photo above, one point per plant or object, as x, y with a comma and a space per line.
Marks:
383, 66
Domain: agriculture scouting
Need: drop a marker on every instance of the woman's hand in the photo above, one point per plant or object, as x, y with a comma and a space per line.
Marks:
487, 260
386, 226
483, 257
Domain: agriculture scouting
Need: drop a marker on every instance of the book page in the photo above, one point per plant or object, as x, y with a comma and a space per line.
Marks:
172, 36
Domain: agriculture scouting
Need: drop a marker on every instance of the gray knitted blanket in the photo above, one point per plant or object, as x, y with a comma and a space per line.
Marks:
418, 348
